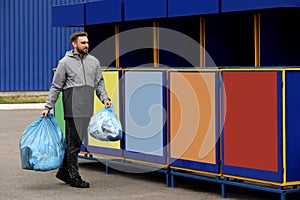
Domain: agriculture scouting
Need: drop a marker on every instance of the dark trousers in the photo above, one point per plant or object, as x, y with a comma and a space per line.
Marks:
76, 130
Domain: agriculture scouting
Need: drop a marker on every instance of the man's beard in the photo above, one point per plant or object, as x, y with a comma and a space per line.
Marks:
82, 51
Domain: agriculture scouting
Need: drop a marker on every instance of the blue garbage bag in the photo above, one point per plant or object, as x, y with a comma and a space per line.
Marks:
105, 125
42, 145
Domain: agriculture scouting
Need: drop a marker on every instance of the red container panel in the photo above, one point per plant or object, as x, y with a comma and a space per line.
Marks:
250, 126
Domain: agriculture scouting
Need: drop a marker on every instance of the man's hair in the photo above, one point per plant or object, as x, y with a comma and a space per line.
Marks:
74, 36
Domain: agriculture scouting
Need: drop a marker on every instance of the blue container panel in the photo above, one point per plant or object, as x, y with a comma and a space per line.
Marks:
145, 135
279, 43
102, 43
238, 5
65, 15
179, 42
229, 39
136, 44
292, 125
105, 11
192, 7
146, 9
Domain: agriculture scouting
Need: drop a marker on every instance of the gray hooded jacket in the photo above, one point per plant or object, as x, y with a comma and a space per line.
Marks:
77, 78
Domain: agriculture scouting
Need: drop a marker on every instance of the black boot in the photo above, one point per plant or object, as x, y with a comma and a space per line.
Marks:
79, 183
63, 175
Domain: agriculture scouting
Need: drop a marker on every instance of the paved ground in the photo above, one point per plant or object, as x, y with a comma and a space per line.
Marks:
16, 183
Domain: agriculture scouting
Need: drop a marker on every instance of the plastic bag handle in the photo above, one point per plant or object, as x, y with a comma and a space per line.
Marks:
110, 108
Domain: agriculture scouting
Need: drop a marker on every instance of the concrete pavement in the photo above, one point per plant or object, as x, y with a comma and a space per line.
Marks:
19, 184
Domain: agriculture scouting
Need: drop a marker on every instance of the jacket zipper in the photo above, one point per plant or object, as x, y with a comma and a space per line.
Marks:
83, 71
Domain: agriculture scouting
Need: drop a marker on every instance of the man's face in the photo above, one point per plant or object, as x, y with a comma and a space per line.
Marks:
82, 45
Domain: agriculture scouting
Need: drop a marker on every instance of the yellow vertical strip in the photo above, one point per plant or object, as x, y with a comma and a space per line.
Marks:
155, 43
283, 126
202, 42
117, 49
257, 39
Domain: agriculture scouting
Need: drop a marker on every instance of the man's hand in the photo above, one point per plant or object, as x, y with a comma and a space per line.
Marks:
107, 103
45, 113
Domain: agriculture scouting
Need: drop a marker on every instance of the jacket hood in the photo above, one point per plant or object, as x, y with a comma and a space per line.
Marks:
71, 54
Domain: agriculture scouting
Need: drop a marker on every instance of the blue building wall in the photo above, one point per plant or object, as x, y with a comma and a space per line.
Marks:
29, 46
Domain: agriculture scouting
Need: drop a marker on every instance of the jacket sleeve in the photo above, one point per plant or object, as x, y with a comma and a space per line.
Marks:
100, 86
56, 87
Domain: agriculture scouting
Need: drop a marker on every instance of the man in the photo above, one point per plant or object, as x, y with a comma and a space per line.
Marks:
78, 74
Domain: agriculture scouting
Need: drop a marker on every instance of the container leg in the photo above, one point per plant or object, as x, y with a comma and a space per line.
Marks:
172, 179
223, 188
106, 168
283, 196
283, 193
168, 178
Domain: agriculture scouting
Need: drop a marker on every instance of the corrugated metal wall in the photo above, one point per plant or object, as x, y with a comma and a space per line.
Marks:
30, 47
